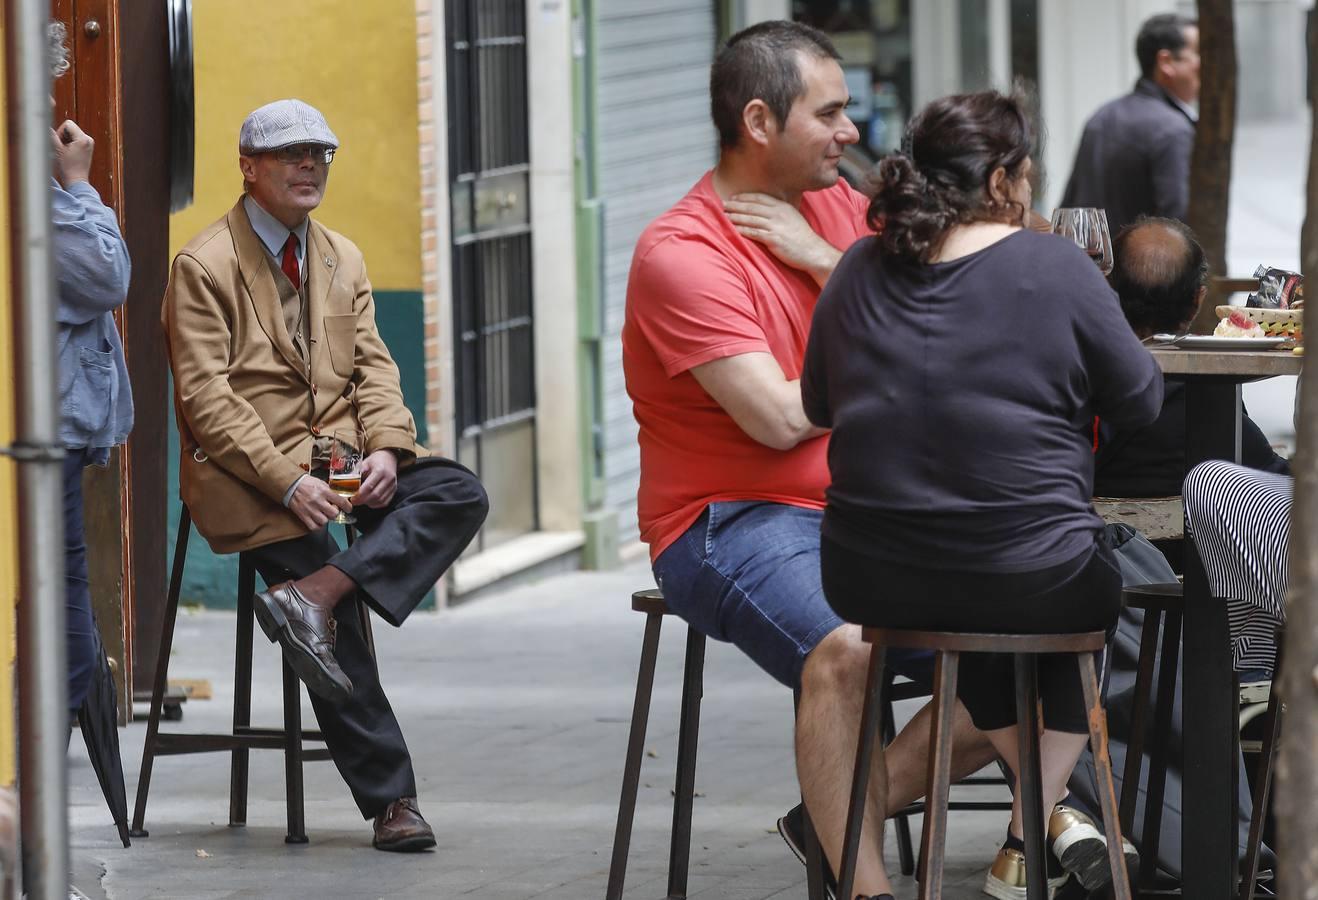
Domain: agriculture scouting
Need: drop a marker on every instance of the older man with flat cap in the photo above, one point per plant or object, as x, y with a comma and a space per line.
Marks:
272, 339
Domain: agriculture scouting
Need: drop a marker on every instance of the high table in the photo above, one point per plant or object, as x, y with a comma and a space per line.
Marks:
1209, 836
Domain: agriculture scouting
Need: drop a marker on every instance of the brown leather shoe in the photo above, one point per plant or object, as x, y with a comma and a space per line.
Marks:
401, 829
306, 634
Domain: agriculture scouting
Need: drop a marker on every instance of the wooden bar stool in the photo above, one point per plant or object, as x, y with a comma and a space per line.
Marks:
651, 602
243, 738
949, 646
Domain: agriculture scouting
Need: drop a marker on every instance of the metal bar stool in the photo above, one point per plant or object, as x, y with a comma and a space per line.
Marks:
651, 602
1163, 605
949, 646
1261, 790
243, 738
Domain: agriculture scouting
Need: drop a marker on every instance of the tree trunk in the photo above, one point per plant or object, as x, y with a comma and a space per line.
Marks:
1297, 766
1210, 168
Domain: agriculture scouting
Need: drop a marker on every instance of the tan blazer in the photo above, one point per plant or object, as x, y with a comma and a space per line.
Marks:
246, 405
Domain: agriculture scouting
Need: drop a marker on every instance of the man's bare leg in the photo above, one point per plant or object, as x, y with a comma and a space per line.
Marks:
907, 757
827, 727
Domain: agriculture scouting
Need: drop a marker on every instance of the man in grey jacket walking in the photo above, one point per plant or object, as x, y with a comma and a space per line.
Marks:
96, 404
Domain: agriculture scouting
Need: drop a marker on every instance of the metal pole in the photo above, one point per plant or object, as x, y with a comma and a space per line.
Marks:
42, 677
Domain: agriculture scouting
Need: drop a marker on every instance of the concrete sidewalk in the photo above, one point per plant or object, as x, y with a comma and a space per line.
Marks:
516, 709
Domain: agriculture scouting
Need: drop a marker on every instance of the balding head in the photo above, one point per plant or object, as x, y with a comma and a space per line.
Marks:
1159, 273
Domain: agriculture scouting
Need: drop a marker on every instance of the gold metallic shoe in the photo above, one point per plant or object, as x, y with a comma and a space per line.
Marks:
1006, 877
1082, 849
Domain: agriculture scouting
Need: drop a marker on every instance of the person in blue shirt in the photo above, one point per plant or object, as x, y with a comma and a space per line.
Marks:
96, 405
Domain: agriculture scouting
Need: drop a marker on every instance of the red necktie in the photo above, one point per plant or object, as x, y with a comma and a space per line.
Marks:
289, 262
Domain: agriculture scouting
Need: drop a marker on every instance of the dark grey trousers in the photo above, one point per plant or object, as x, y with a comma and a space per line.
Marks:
402, 551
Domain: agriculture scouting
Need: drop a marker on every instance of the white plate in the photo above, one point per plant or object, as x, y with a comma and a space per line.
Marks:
1211, 342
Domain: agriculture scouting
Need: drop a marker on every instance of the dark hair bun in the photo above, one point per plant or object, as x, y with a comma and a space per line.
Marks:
907, 214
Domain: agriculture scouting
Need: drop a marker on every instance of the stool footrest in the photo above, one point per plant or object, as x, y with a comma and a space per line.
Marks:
176, 744
917, 808
975, 642
275, 732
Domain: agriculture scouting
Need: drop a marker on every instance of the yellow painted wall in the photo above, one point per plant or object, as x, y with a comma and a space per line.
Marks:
355, 61
8, 510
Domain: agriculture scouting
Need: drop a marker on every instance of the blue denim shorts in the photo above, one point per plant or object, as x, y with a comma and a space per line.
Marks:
747, 572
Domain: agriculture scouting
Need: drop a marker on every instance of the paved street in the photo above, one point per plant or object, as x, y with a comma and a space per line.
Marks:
516, 710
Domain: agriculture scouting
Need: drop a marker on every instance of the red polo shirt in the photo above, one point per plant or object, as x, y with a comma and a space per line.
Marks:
699, 291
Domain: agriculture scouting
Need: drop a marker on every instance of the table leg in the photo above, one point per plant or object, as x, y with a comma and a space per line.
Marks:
1209, 841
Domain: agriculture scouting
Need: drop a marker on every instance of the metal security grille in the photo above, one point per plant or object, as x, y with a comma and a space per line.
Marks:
655, 141
489, 197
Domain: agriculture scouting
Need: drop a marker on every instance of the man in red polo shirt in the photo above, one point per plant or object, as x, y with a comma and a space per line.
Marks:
719, 302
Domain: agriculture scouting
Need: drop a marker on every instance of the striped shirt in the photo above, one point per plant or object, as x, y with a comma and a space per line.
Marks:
1240, 520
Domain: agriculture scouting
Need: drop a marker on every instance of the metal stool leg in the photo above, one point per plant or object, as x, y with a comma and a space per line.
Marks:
242, 691
1159, 749
693, 688
1262, 787
297, 828
869, 722
814, 858
815, 864
162, 673
1029, 776
1130, 782
933, 839
631, 774
1103, 769
901, 822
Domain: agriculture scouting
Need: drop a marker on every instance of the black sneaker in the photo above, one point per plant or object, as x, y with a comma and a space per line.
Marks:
792, 828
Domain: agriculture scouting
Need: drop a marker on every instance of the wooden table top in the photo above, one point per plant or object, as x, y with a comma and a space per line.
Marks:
1248, 363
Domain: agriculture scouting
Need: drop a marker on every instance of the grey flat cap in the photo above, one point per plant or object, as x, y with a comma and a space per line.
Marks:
283, 124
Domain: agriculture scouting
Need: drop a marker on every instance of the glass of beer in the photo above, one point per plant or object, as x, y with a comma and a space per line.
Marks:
345, 467
1087, 227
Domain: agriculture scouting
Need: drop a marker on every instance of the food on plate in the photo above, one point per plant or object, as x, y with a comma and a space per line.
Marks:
1276, 323
1238, 325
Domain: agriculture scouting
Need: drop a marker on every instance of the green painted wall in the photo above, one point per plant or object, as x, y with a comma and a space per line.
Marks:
212, 580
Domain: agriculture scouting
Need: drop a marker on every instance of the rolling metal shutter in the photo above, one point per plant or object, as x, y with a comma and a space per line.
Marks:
655, 141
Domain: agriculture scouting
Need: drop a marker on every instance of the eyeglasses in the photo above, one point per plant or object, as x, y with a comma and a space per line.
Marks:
299, 152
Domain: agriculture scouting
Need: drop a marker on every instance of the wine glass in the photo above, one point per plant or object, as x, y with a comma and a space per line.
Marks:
345, 476
1087, 227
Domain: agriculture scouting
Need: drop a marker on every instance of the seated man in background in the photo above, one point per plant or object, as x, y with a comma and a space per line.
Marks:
270, 326
1160, 275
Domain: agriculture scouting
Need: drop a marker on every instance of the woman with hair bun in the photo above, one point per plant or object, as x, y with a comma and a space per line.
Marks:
959, 359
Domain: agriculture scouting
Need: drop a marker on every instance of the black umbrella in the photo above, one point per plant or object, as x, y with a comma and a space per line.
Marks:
98, 717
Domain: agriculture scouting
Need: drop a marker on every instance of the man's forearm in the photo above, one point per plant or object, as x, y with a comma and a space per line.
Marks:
822, 268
